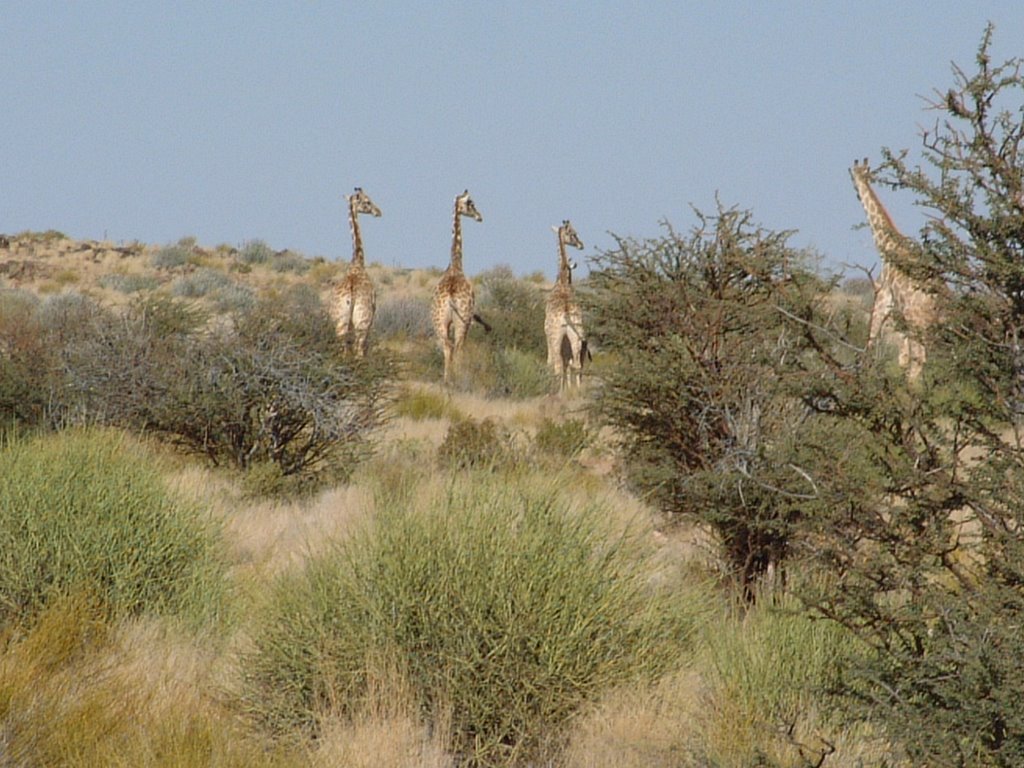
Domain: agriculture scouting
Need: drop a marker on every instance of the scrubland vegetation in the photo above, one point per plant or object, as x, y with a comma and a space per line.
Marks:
749, 541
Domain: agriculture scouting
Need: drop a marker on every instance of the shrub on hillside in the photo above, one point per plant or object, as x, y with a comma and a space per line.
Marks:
271, 386
128, 283
255, 252
275, 388
515, 310
516, 374
200, 283
502, 610
117, 368
174, 255
710, 334
932, 557
404, 318
35, 338
564, 439
481, 444
84, 512
24, 360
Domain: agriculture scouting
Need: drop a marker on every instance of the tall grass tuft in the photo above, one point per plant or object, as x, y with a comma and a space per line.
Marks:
72, 694
769, 674
86, 510
501, 607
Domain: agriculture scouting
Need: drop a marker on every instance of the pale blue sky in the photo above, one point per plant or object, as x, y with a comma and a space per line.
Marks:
233, 121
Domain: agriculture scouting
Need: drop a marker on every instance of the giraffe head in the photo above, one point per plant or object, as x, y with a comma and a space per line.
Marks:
566, 236
861, 175
464, 206
887, 237
360, 202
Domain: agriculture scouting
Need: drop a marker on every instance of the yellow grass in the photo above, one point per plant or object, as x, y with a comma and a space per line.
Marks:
74, 691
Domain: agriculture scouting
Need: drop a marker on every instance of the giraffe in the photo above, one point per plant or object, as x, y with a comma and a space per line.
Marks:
354, 298
563, 321
896, 295
453, 305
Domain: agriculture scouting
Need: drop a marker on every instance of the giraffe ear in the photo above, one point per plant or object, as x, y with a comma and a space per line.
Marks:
554, 229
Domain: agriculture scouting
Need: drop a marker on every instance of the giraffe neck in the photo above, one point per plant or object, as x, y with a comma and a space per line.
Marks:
564, 273
887, 238
357, 240
456, 265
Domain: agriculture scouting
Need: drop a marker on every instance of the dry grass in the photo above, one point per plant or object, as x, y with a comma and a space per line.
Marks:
640, 728
387, 733
74, 691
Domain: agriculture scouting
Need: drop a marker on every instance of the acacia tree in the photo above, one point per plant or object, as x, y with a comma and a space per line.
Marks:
706, 332
928, 565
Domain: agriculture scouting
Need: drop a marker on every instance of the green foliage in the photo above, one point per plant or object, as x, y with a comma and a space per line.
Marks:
176, 255
929, 549
770, 675
86, 512
711, 362
503, 610
482, 444
564, 439
404, 318
518, 374
276, 389
256, 252
200, 283
515, 309
422, 404
271, 386
128, 283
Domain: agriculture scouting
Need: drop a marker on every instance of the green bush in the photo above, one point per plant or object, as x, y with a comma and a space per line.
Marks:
177, 255
256, 252
502, 609
24, 360
403, 318
515, 309
290, 261
128, 283
517, 374
84, 511
561, 439
715, 334
422, 404
770, 678
200, 283
271, 387
481, 444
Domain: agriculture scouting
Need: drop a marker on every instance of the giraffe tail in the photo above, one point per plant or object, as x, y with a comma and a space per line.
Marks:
484, 323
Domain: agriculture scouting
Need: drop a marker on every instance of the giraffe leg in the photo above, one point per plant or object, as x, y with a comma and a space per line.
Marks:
912, 357
460, 329
362, 342
565, 362
446, 351
576, 363
344, 319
